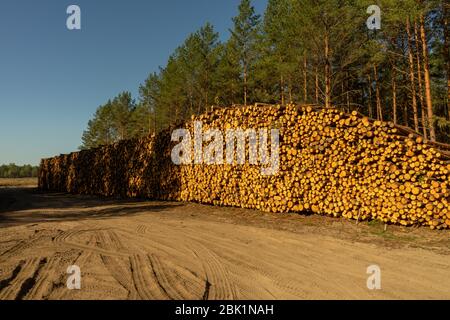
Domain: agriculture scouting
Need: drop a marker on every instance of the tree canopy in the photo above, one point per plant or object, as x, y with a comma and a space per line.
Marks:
301, 51
14, 171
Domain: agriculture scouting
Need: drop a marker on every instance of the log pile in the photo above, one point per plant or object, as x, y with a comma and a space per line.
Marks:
330, 163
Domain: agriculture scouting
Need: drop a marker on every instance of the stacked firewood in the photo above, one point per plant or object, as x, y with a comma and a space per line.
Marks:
330, 163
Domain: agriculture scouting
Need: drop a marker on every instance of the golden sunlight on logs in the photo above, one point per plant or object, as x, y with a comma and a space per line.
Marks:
331, 163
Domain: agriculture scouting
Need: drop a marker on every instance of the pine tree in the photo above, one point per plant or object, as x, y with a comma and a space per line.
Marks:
111, 122
145, 116
100, 129
307, 51
227, 78
122, 108
208, 52
244, 37
277, 47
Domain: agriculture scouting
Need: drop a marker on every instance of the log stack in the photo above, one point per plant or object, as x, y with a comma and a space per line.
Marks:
331, 163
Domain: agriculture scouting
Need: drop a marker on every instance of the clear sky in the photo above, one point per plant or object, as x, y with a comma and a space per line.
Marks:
52, 79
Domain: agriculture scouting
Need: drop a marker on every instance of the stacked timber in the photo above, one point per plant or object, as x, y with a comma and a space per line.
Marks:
330, 163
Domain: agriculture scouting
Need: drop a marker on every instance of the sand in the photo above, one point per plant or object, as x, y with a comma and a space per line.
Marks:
168, 250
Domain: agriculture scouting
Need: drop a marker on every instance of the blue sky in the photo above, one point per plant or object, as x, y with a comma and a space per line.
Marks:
53, 79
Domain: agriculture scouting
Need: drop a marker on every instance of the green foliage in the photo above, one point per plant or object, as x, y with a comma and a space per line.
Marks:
13, 171
228, 76
244, 38
443, 124
282, 57
112, 122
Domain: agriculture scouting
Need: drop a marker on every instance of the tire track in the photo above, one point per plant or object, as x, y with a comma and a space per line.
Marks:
63, 240
37, 237
264, 270
30, 282
24, 280
17, 248
120, 271
5, 282
54, 283
175, 281
144, 279
169, 255
215, 283
221, 287
44, 283
81, 259
118, 267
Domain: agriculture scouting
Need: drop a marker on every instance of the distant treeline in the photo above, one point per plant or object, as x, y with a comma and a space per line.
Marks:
301, 51
13, 171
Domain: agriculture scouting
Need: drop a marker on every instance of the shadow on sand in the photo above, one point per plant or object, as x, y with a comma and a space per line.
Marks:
28, 205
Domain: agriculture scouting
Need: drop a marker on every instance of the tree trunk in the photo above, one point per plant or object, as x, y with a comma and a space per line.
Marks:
290, 88
411, 76
347, 92
377, 93
426, 70
155, 122
245, 84
207, 90
445, 6
317, 86
419, 77
327, 73
305, 80
405, 103
394, 94
369, 78
282, 89
149, 121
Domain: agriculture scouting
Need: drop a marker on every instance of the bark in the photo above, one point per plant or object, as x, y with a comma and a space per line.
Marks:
245, 85
404, 100
347, 93
369, 78
305, 80
290, 88
411, 76
426, 70
445, 7
327, 73
394, 94
317, 86
419, 77
377, 93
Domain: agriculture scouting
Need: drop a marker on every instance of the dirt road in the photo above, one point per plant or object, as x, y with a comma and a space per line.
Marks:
166, 250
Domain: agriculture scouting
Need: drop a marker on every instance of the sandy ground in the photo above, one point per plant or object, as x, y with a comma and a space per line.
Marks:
18, 182
167, 250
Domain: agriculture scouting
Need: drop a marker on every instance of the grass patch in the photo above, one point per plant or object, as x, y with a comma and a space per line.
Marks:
375, 223
376, 228
385, 234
